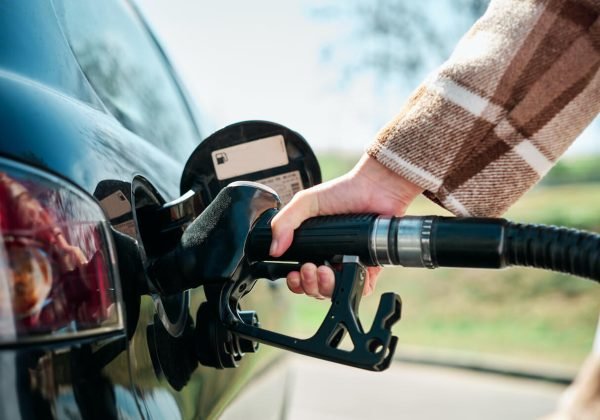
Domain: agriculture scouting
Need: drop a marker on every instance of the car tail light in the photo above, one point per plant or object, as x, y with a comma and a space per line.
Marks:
57, 265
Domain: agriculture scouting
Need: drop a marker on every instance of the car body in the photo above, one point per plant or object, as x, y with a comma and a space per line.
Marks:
89, 101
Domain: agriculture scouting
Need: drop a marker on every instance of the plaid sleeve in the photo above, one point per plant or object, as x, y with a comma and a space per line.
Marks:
518, 89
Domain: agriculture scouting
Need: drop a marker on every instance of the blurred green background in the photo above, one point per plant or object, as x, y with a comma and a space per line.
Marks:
524, 314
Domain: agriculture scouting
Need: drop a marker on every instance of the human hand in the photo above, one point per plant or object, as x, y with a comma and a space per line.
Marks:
369, 187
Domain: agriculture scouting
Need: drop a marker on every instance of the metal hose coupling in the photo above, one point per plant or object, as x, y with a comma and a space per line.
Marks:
404, 241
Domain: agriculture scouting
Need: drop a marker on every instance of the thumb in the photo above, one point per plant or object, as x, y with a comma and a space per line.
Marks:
304, 205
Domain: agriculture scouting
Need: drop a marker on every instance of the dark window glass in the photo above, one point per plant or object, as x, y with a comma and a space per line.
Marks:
128, 72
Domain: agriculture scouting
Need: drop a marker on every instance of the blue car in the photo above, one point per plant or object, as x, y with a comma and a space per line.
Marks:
95, 129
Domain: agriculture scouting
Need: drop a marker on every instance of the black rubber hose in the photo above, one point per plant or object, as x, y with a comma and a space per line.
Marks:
553, 248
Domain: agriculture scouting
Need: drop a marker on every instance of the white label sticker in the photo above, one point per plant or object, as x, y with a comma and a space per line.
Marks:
286, 185
250, 157
116, 204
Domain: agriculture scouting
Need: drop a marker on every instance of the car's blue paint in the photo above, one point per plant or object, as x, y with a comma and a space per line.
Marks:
51, 118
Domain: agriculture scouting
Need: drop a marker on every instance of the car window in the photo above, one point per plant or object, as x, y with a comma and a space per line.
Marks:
128, 71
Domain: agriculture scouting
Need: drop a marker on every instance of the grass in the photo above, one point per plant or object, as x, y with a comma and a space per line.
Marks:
521, 313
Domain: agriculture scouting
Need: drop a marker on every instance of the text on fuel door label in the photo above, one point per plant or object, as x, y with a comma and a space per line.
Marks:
286, 185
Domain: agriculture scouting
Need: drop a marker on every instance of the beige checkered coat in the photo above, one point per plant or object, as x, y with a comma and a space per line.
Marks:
518, 89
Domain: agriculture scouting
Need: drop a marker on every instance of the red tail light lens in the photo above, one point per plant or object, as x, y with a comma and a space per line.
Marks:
57, 268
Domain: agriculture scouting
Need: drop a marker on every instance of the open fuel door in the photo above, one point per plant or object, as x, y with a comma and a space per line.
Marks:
258, 151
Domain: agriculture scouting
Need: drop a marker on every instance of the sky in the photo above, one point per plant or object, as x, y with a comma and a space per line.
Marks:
264, 59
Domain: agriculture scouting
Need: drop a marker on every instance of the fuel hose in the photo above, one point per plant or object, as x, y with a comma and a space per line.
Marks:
434, 241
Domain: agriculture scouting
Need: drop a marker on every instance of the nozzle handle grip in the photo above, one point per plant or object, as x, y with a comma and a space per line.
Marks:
318, 239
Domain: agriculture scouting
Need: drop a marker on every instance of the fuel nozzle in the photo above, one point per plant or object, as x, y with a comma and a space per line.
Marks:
213, 252
211, 249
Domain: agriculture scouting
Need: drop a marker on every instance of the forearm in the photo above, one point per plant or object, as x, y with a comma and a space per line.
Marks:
518, 89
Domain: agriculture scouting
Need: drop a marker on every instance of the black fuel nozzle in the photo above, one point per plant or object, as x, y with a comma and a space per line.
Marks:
211, 249
213, 252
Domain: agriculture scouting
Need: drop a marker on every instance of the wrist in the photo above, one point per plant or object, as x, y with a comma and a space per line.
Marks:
382, 179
